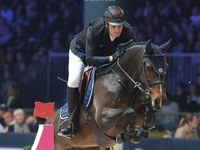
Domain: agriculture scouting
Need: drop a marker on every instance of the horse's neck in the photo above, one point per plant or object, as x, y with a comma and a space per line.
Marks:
132, 61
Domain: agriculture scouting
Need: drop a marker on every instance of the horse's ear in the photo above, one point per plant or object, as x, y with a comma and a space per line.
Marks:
148, 48
166, 45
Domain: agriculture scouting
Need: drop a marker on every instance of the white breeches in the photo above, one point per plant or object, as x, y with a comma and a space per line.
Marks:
75, 70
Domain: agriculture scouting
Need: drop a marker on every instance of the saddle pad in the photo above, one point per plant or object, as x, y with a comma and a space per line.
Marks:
87, 99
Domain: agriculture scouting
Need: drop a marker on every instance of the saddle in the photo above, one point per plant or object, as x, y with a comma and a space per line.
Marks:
85, 91
86, 76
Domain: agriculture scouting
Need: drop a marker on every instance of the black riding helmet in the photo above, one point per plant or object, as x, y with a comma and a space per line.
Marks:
114, 15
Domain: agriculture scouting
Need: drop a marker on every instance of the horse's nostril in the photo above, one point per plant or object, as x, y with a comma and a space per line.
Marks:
157, 101
164, 101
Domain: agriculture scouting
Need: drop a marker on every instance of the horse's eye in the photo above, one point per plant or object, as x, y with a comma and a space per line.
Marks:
149, 68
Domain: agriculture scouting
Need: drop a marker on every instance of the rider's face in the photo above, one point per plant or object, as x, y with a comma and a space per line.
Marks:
114, 31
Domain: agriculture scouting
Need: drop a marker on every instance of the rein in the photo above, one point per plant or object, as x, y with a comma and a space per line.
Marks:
146, 91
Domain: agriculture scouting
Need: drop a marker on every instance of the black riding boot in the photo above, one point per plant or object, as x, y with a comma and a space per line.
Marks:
72, 101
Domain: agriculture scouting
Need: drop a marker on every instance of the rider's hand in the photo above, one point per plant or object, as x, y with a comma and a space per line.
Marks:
117, 55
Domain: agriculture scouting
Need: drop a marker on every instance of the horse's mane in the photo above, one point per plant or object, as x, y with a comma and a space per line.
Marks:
127, 46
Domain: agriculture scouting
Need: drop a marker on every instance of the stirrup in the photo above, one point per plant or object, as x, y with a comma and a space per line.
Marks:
69, 131
151, 126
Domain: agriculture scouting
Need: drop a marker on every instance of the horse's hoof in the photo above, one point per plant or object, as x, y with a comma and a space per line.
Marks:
140, 135
123, 138
136, 139
119, 140
135, 142
151, 126
144, 135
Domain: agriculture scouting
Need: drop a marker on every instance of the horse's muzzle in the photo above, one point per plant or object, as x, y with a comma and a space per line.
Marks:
157, 104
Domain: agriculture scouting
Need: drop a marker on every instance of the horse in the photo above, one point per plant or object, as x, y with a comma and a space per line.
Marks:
125, 97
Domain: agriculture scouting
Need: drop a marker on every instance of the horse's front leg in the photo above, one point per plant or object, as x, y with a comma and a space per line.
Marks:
130, 131
143, 131
112, 116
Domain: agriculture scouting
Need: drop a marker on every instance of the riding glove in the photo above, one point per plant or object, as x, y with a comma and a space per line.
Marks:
120, 50
117, 55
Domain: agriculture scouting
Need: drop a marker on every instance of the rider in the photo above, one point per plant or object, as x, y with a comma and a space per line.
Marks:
94, 46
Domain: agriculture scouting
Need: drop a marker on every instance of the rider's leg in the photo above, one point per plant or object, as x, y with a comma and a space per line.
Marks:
72, 102
75, 69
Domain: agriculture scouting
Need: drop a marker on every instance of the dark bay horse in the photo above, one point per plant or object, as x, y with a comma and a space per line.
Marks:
125, 98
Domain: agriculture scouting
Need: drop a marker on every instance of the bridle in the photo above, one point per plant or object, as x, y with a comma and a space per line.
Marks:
160, 81
137, 85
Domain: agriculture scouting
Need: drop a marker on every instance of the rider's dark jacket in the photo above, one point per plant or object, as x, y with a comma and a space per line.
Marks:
94, 46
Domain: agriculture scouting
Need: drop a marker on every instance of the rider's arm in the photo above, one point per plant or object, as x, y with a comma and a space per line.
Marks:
92, 49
